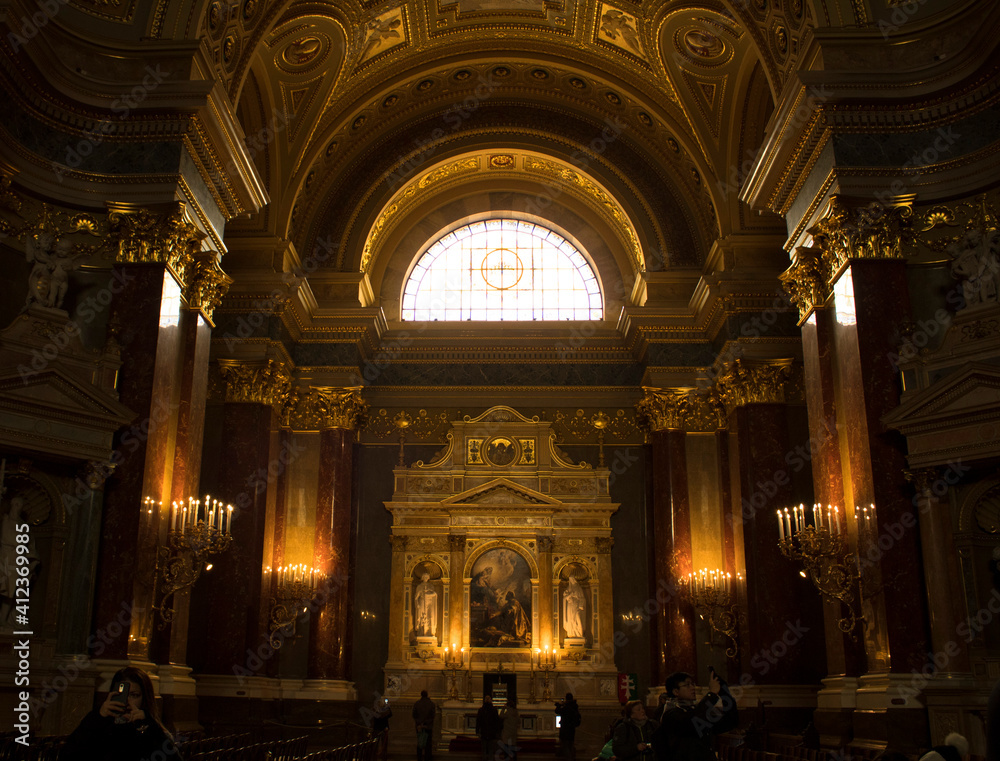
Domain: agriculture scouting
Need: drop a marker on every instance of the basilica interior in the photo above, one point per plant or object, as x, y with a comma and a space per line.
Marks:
275, 429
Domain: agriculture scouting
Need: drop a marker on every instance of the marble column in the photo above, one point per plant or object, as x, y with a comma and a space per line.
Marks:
230, 600
547, 635
330, 626
784, 641
942, 575
456, 592
153, 251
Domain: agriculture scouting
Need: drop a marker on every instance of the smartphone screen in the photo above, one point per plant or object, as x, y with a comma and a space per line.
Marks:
121, 693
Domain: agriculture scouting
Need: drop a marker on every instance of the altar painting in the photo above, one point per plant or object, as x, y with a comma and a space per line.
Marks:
500, 600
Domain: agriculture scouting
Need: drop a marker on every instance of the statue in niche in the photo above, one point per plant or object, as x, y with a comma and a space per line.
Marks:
573, 604
976, 262
49, 278
425, 607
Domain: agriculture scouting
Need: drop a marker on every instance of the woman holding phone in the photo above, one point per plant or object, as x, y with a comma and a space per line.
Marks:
126, 727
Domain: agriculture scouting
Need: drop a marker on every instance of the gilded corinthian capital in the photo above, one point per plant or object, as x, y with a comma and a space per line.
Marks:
324, 407
805, 281
661, 409
256, 383
208, 284
141, 236
745, 383
876, 231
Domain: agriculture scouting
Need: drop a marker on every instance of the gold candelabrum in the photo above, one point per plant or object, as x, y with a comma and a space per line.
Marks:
822, 548
197, 531
454, 661
546, 663
295, 587
714, 595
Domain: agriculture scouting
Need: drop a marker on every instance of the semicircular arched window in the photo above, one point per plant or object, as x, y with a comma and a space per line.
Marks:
502, 269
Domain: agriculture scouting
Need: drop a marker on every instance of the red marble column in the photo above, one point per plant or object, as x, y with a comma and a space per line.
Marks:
330, 626
844, 655
784, 634
897, 638
143, 316
229, 599
170, 644
673, 635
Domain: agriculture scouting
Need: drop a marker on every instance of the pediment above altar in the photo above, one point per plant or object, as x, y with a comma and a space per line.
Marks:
957, 417
500, 492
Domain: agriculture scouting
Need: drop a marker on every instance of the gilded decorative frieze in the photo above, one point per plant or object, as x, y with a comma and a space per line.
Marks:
680, 409
323, 407
268, 384
141, 236
408, 194
421, 425
876, 231
744, 383
583, 428
208, 286
805, 281
590, 188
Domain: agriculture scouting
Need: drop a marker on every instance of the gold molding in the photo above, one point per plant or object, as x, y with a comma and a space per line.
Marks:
324, 407
269, 383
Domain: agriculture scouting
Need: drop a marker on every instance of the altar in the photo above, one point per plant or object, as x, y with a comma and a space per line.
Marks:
501, 576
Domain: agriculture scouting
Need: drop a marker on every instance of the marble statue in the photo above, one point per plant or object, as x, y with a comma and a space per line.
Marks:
52, 262
573, 607
976, 262
425, 607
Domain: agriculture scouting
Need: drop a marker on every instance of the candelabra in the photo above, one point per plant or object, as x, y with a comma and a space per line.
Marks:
713, 594
826, 559
295, 587
197, 531
547, 665
454, 660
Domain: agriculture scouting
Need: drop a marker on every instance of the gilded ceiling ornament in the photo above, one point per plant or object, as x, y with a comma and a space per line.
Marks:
208, 284
744, 383
613, 98
805, 281
781, 39
578, 83
875, 231
620, 30
301, 51
247, 383
461, 166
462, 75
144, 237
229, 49
501, 161
325, 407
704, 43
590, 188
383, 32
389, 102
540, 74
249, 8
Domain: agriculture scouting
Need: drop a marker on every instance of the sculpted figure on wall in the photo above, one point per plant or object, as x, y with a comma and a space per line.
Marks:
52, 262
976, 262
573, 604
425, 607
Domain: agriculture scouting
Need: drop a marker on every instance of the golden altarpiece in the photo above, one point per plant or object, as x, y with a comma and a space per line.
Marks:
501, 575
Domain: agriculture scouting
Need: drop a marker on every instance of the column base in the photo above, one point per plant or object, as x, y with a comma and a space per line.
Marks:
889, 714
835, 704
178, 689
325, 689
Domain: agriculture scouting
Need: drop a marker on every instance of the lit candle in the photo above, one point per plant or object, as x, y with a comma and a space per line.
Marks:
229, 521
836, 518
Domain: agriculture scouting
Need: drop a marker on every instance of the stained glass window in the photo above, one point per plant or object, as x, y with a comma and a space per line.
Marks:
502, 269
